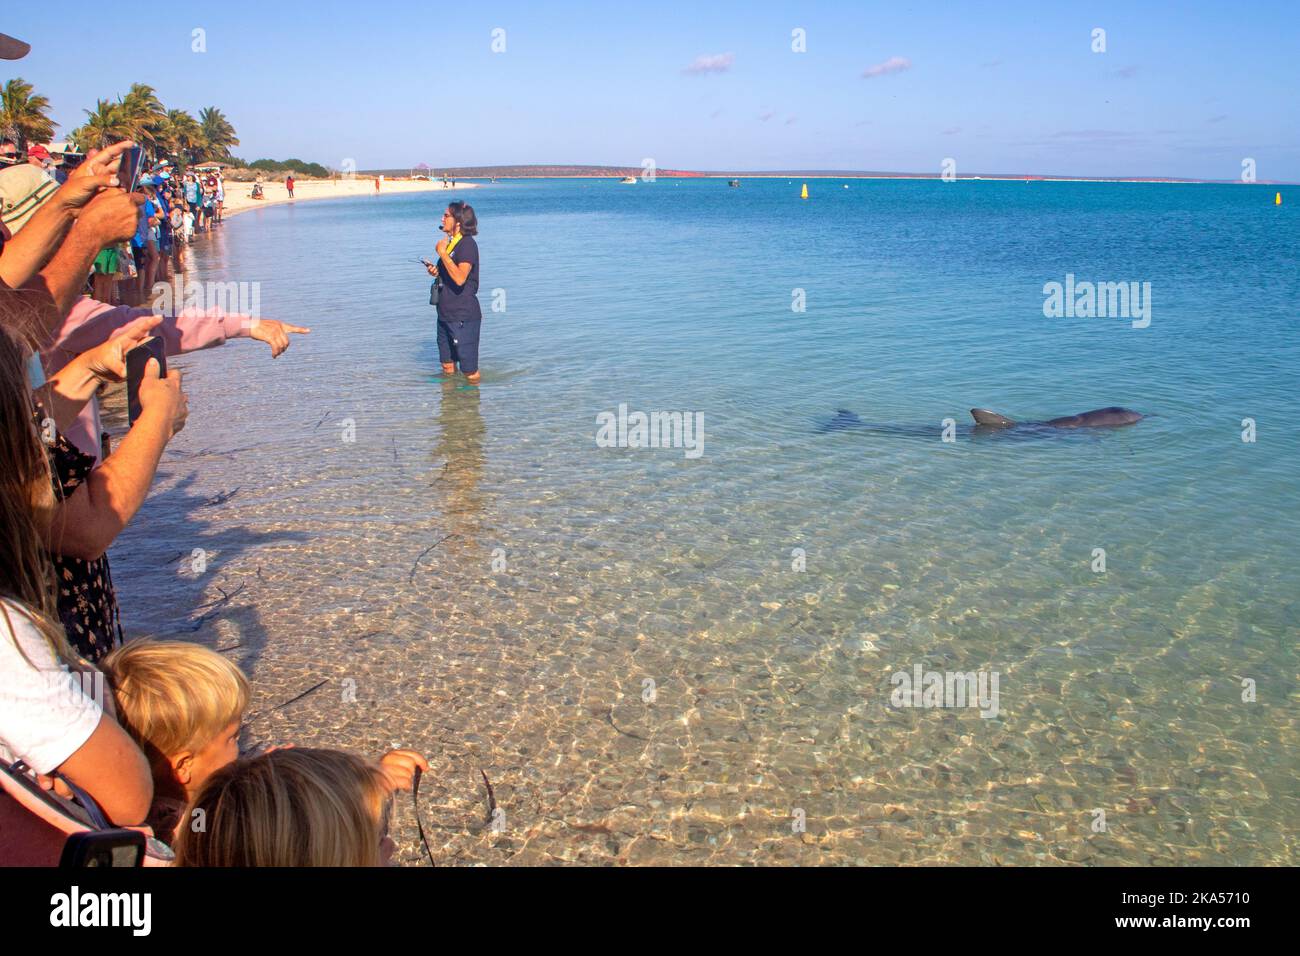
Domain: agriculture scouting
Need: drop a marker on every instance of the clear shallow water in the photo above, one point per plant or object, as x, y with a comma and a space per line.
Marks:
370, 563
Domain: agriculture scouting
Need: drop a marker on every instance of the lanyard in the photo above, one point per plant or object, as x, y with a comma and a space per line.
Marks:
455, 240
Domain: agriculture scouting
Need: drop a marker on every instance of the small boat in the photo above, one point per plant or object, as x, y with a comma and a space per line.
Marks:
629, 180
733, 182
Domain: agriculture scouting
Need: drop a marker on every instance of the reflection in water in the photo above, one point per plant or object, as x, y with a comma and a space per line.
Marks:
458, 460
459, 455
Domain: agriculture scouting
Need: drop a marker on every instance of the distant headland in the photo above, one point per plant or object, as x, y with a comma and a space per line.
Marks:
542, 171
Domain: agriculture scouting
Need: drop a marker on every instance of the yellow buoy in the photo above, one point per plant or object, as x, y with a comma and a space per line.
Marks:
1277, 200
804, 192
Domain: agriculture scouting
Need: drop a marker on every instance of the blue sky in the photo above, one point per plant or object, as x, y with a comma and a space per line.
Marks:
1183, 89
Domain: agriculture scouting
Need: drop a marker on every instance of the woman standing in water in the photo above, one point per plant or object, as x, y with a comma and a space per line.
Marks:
459, 315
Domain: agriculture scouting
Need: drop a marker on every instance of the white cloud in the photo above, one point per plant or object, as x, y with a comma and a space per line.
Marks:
715, 63
895, 64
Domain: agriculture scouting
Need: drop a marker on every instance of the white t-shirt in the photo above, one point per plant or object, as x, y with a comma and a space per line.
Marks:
46, 712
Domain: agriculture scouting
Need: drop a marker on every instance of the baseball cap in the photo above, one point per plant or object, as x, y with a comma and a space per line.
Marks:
11, 49
38, 151
22, 190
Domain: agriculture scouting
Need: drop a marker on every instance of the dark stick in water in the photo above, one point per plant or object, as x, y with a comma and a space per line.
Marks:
216, 606
411, 579
415, 803
224, 599
220, 498
294, 700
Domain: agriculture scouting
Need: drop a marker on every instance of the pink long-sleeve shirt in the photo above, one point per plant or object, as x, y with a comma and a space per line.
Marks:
91, 323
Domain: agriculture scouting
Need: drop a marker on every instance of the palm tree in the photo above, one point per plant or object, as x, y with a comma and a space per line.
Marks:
218, 133
146, 115
22, 114
107, 123
185, 135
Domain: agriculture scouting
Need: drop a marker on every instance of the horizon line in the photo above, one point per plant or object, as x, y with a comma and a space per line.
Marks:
586, 170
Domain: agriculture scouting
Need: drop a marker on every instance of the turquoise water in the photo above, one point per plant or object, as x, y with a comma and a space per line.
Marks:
495, 589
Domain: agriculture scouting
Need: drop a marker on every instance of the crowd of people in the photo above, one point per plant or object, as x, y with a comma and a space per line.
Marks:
158, 748
177, 206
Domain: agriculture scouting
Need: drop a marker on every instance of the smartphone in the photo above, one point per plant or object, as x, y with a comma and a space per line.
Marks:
128, 173
136, 360
117, 847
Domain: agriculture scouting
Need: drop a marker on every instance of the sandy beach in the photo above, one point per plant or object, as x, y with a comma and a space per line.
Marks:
239, 195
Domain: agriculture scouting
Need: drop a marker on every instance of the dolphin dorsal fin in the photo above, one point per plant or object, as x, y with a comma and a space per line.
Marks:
983, 416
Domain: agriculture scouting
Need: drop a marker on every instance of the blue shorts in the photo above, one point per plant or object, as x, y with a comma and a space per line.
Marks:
458, 342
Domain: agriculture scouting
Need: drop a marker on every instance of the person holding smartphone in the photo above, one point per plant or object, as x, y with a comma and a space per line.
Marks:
47, 718
457, 271
94, 501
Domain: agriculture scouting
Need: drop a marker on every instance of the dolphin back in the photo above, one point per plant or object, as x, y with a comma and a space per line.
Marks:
1111, 417
990, 419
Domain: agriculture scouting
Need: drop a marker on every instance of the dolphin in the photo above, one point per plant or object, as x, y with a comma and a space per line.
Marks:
1111, 417
986, 423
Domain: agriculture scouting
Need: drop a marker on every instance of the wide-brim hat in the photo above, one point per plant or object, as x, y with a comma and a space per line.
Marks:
11, 49
22, 190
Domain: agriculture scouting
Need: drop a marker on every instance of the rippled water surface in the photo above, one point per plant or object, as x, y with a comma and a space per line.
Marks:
621, 639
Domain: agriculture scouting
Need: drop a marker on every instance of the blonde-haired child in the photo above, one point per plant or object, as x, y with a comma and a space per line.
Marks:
183, 704
298, 807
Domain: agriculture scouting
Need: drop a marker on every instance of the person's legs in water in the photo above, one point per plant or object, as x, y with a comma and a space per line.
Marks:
466, 343
446, 349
